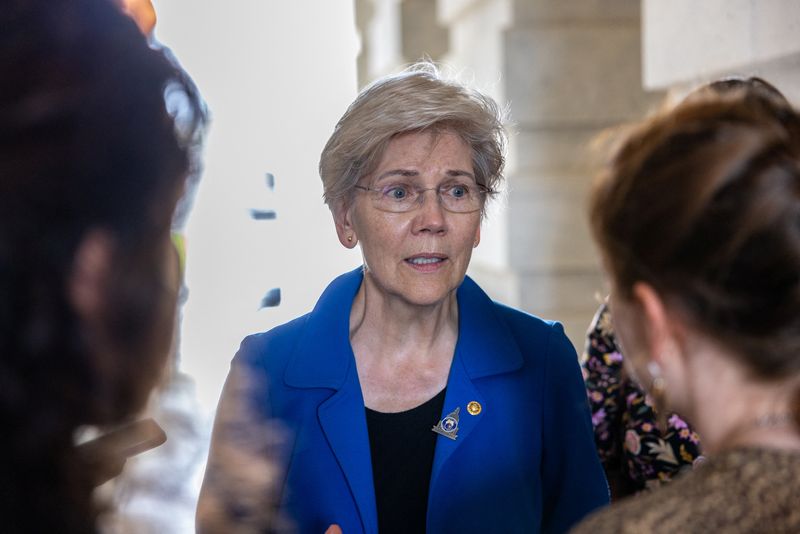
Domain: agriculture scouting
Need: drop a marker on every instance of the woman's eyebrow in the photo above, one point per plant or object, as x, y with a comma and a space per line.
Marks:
406, 173
397, 172
456, 172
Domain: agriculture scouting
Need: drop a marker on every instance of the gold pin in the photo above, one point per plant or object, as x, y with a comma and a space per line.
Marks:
474, 408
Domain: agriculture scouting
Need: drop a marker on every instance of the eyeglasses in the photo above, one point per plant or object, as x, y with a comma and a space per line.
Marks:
455, 197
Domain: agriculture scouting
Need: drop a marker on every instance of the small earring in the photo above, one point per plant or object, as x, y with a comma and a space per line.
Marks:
350, 239
658, 392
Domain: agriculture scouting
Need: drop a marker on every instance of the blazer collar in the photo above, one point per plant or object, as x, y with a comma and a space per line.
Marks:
485, 342
323, 355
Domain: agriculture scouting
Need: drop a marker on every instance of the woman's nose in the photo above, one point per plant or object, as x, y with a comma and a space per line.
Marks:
430, 215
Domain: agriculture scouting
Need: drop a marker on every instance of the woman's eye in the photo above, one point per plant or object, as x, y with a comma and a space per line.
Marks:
458, 190
396, 192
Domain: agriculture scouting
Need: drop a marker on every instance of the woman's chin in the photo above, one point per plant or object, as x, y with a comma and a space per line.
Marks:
428, 296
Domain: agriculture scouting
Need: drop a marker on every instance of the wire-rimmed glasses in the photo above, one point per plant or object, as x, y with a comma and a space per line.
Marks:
456, 197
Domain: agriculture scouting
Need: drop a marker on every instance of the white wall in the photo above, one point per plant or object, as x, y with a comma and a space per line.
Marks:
277, 76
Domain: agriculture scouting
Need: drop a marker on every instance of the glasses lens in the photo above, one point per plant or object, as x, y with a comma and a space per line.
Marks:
401, 197
461, 198
395, 197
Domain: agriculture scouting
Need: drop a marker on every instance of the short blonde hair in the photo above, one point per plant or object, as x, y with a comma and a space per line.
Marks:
416, 99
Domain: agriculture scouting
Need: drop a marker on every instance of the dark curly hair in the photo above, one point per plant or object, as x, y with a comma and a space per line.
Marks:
86, 143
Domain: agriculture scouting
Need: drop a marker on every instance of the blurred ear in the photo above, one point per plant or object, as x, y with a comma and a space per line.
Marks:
659, 324
88, 281
343, 219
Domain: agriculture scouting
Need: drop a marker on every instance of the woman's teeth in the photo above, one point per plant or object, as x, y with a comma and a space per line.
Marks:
424, 261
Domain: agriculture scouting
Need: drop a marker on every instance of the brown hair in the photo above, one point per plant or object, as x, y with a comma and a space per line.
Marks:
753, 86
703, 203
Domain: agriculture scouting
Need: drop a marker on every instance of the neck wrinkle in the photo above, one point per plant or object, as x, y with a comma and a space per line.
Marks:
397, 325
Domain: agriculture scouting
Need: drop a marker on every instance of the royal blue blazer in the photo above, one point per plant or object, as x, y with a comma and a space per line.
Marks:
526, 463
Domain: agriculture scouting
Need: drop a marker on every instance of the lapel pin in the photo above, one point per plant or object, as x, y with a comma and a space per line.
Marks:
474, 408
448, 427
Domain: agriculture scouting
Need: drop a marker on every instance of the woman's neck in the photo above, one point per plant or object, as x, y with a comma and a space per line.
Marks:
403, 352
396, 324
732, 409
777, 431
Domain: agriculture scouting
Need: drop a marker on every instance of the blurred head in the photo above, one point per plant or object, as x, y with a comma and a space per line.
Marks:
91, 167
702, 204
753, 86
417, 99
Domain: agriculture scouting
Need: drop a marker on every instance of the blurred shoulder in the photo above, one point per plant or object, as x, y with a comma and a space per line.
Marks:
648, 511
271, 349
738, 491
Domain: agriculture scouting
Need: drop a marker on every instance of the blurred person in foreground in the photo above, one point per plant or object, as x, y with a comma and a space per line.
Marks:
91, 168
143, 498
641, 449
411, 401
697, 217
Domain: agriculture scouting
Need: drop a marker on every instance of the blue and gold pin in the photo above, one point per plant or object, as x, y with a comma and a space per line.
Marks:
448, 427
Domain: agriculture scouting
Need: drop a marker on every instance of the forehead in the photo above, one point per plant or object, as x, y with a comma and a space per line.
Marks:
427, 148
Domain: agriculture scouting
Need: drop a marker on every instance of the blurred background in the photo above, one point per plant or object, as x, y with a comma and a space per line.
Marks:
277, 75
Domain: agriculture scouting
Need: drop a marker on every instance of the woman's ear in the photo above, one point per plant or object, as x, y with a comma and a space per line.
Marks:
343, 219
88, 281
660, 325
667, 336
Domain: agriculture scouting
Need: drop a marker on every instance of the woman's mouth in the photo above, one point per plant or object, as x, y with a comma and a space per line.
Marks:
426, 263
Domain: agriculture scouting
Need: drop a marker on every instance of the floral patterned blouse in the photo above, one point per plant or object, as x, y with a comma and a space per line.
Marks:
635, 453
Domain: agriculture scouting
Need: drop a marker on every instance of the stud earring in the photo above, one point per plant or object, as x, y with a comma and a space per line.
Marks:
350, 239
654, 369
658, 392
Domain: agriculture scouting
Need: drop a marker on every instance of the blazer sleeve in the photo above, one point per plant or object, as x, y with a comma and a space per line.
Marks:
574, 483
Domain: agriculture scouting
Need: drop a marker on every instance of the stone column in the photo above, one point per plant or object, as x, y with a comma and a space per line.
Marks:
571, 70
394, 33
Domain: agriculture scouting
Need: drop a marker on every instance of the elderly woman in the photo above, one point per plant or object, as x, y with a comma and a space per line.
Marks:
412, 401
91, 167
698, 220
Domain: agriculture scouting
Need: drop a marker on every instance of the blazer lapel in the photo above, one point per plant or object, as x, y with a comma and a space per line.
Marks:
485, 347
460, 393
343, 420
323, 358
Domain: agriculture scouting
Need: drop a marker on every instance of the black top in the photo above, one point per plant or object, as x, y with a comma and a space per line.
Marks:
402, 446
